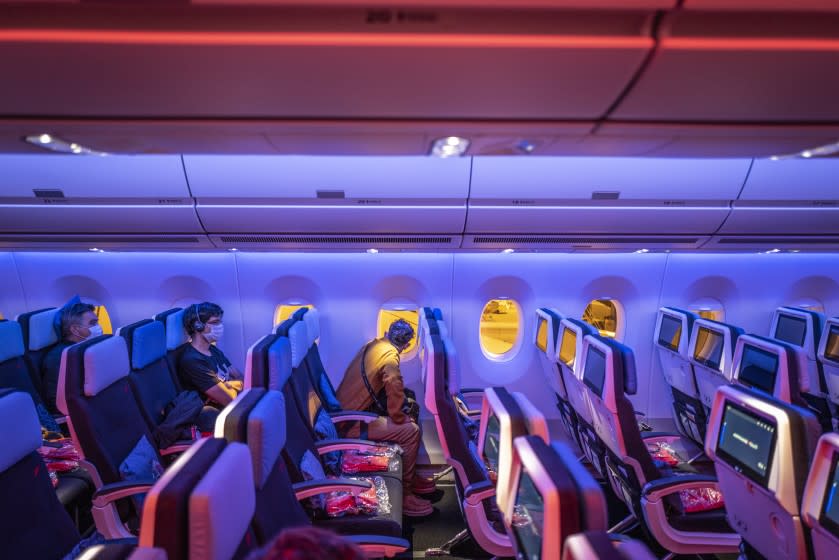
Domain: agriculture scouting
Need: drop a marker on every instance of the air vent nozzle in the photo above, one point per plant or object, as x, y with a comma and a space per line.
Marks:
331, 194
605, 195
48, 193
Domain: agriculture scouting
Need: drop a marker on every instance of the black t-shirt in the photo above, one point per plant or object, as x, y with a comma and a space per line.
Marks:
199, 372
50, 367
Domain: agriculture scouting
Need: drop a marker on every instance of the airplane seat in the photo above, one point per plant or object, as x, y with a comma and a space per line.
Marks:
657, 475
33, 523
820, 505
671, 338
282, 328
829, 358
311, 407
438, 313
772, 366
803, 329
257, 368
176, 338
202, 507
38, 328
151, 378
108, 428
14, 370
761, 448
425, 317
547, 329
711, 352
253, 420
475, 488
314, 364
577, 414
600, 545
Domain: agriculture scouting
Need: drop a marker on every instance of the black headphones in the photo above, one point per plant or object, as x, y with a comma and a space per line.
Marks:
197, 325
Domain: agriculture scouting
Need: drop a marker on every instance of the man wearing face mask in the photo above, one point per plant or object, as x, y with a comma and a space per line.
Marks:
374, 383
77, 322
202, 366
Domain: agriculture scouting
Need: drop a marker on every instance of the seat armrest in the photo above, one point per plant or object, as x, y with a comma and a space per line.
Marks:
60, 419
118, 490
657, 489
178, 447
380, 544
478, 492
311, 488
471, 390
353, 416
328, 445
661, 435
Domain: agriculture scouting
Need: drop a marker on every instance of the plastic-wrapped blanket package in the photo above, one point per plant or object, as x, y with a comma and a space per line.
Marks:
701, 499
60, 456
373, 501
354, 461
665, 453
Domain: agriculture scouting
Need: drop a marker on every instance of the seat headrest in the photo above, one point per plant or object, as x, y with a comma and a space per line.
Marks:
279, 363
148, 344
298, 337
626, 377
266, 436
11, 340
42, 330
299, 313
22, 433
175, 332
222, 505
282, 328
105, 363
438, 314
312, 320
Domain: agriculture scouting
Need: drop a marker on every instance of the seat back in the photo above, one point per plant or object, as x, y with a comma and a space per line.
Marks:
553, 496
761, 448
151, 378
545, 337
671, 338
803, 328
829, 358
14, 371
609, 376
33, 523
104, 418
712, 354
176, 338
257, 370
257, 418
314, 365
201, 509
820, 507
38, 328
770, 366
569, 353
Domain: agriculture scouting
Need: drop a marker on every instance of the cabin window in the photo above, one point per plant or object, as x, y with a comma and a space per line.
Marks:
285, 310
393, 311
104, 319
500, 328
708, 308
1, 316
603, 314
810, 305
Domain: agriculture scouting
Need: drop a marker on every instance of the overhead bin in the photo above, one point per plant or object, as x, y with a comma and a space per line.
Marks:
316, 62
101, 243
740, 67
302, 194
602, 195
768, 5
94, 194
790, 196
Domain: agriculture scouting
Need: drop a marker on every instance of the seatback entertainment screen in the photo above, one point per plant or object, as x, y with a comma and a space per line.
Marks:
791, 329
568, 347
746, 442
670, 332
594, 374
709, 345
758, 369
542, 334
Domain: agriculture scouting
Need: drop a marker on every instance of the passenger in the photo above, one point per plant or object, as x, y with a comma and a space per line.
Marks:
202, 366
374, 383
308, 543
77, 322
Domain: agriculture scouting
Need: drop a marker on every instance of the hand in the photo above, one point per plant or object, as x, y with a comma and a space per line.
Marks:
236, 385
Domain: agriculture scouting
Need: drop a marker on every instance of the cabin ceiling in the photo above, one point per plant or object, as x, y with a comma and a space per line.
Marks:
696, 78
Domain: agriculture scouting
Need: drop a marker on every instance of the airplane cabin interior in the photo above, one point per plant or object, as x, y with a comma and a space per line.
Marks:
540, 279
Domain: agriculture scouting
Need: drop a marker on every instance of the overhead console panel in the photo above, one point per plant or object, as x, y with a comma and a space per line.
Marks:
94, 194
740, 67
791, 196
329, 195
602, 195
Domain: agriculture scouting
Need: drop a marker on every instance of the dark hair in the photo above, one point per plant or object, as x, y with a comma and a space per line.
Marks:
308, 543
400, 332
200, 312
71, 315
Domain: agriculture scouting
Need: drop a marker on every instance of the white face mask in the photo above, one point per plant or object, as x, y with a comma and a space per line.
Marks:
95, 330
213, 333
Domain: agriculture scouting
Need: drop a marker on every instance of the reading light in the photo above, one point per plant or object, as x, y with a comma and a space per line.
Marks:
806, 154
372, 251
772, 251
94, 249
642, 251
450, 146
233, 249
508, 251
55, 144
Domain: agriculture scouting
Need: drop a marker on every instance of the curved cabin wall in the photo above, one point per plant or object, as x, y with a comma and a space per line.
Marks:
349, 289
